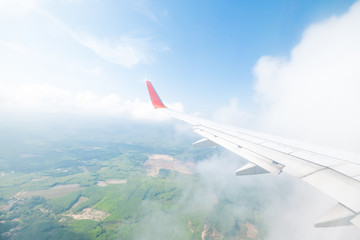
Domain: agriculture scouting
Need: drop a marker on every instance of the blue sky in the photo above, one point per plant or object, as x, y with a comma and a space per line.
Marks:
199, 53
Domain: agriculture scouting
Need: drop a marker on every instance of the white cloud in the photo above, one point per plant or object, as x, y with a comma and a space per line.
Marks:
14, 47
142, 6
232, 114
126, 51
38, 77
314, 94
16, 8
35, 98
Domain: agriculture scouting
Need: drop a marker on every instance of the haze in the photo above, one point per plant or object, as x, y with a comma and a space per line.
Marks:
288, 68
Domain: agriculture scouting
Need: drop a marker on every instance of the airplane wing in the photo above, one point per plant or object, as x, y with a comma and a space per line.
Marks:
336, 175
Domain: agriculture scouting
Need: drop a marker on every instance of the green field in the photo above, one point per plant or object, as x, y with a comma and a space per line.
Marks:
85, 182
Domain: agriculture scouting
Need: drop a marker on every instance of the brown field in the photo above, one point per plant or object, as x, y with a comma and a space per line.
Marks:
54, 192
251, 231
111, 181
156, 162
39, 179
89, 213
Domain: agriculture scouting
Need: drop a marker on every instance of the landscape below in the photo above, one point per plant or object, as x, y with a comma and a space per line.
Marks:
80, 179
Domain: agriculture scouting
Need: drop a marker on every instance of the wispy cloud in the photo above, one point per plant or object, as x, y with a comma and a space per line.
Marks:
16, 8
15, 47
126, 51
144, 7
38, 81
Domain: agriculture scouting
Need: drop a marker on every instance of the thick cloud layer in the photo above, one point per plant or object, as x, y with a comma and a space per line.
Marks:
314, 93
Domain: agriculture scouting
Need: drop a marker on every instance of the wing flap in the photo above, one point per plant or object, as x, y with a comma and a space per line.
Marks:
263, 162
292, 165
337, 185
250, 169
356, 221
350, 170
316, 158
344, 189
204, 142
339, 215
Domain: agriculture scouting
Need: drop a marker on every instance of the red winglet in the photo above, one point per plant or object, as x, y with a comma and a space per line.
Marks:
155, 99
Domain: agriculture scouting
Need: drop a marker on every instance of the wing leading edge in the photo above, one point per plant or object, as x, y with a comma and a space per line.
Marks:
338, 177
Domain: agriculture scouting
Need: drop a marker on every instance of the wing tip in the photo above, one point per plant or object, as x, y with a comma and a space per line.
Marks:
155, 99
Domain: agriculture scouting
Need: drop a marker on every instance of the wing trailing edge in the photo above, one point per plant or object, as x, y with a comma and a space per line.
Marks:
338, 177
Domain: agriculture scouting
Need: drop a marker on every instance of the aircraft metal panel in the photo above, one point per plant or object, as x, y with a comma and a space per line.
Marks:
278, 147
338, 186
250, 138
294, 166
339, 215
317, 158
350, 170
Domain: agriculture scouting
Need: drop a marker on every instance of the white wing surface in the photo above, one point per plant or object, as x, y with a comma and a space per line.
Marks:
335, 174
